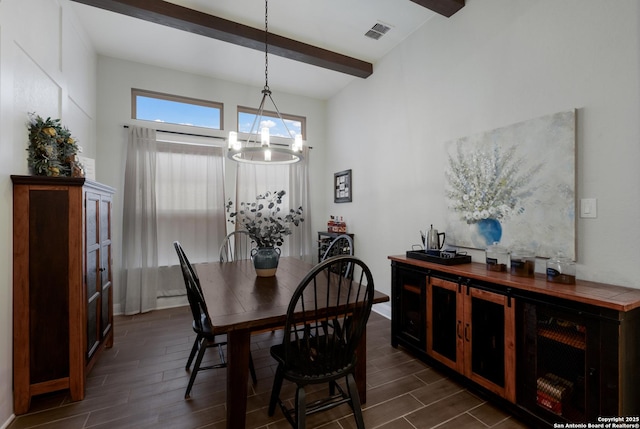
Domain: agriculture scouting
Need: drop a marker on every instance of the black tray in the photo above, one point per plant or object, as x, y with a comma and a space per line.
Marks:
420, 254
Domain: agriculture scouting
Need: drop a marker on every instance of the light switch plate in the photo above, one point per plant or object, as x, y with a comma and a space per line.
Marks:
588, 208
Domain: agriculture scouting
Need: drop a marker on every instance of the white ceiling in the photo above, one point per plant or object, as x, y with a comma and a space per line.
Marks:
336, 25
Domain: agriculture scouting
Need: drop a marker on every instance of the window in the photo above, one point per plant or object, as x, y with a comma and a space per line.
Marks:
295, 124
173, 109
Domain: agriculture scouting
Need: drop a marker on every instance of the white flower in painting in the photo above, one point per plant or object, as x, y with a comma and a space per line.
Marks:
488, 183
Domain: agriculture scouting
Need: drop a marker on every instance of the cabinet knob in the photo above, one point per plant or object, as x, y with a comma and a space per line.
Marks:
102, 269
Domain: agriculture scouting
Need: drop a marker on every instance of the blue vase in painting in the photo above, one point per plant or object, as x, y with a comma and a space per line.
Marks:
490, 230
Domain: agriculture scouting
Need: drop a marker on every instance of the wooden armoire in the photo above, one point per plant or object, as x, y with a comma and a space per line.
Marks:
62, 284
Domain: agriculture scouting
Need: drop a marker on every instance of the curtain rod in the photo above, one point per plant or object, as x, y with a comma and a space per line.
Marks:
184, 134
202, 135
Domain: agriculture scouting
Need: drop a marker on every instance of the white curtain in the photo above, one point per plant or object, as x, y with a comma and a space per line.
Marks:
190, 194
254, 180
182, 187
300, 242
140, 230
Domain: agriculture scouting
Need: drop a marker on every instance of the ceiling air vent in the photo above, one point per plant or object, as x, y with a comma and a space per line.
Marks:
377, 31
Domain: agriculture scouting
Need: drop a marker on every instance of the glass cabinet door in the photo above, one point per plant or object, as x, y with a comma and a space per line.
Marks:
92, 275
409, 306
490, 341
472, 331
566, 386
444, 323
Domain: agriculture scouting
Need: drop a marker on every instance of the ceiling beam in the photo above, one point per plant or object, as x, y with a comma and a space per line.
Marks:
443, 7
182, 18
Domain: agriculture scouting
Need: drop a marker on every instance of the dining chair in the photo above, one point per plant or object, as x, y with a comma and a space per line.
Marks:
236, 246
202, 326
334, 310
340, 245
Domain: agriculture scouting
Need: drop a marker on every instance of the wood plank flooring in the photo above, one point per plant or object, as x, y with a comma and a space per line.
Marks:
140, 383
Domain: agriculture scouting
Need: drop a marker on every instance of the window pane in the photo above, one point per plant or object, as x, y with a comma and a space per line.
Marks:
176, 110
295, 124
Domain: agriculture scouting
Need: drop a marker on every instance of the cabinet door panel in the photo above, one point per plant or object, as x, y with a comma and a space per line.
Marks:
487, 340
92, 274
411, 319
106, 284
48, 285
445, 326
567, 386
490, 341
408, 311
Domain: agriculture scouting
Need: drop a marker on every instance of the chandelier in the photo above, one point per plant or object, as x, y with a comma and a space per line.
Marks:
258, 149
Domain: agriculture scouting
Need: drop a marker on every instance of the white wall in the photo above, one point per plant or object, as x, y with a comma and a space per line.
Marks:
495, 63
47, 67
115, 80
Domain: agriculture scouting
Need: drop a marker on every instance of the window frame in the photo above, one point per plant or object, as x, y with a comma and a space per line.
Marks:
135, 92
272, 115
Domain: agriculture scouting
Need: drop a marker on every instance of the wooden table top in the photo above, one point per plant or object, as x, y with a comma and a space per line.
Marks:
617, 298
239, 300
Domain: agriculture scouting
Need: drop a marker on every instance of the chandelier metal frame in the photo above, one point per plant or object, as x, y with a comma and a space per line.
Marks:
258, 149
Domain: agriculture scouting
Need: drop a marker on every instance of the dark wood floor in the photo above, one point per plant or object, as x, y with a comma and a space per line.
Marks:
140, 383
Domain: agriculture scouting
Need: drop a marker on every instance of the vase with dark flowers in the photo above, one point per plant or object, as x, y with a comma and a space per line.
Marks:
267, 224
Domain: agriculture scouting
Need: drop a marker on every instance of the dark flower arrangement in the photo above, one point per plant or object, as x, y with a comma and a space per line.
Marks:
52, 150
263, 219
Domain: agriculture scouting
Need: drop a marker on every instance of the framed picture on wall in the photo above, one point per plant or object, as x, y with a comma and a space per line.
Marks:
342, 187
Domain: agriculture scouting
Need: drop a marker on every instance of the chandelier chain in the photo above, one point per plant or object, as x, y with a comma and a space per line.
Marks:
249, 151
266, 46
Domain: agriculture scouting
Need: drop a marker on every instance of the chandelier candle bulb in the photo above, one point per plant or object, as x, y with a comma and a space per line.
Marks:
264, 137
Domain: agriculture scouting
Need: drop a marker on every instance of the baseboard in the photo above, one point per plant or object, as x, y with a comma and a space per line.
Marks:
384, 309
8, 422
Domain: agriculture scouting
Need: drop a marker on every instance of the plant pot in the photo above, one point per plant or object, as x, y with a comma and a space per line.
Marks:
265, 260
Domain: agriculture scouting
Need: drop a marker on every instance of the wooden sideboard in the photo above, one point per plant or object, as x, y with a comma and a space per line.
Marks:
549, 352
62, 284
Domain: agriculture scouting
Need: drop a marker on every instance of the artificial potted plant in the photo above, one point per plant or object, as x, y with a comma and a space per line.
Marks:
52, 150
267, 226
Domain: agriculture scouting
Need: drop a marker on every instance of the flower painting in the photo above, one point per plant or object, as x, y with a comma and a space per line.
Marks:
514, 185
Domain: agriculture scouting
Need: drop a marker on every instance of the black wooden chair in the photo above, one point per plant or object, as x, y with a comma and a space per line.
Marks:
201, 324
334, 310
236, 246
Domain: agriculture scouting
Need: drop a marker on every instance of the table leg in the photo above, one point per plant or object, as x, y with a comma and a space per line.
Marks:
361, 368
238, 347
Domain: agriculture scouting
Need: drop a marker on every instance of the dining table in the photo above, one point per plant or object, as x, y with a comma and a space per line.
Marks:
241, 304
